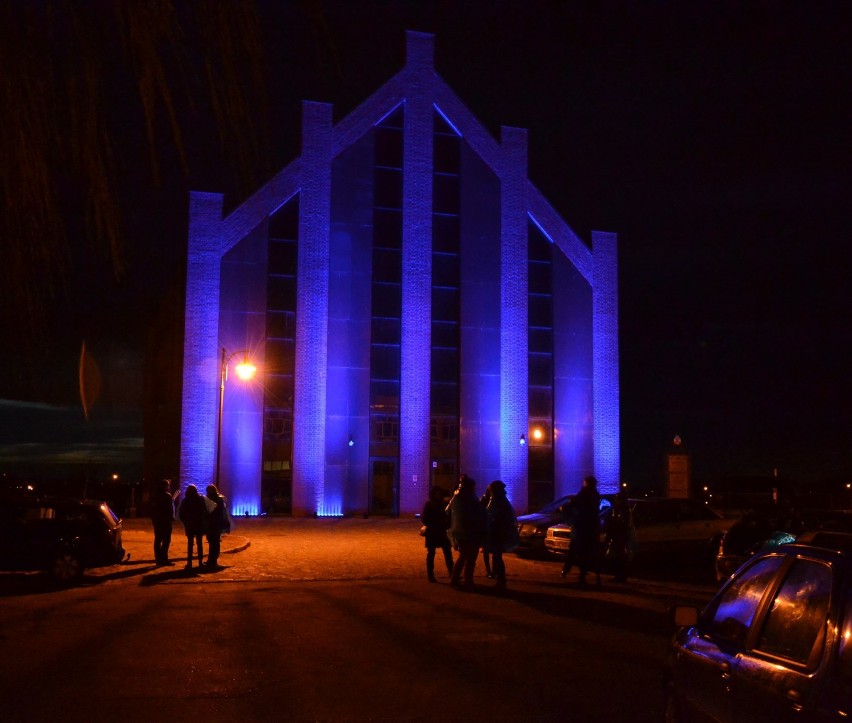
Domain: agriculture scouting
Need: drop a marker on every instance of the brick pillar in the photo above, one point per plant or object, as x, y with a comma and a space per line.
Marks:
607, 441
200, 405
514, 315
312, 311
416, 328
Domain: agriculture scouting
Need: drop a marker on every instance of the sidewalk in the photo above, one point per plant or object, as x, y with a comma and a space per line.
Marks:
137, 538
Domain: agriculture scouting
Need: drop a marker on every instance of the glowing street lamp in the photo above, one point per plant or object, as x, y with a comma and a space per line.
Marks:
245, 370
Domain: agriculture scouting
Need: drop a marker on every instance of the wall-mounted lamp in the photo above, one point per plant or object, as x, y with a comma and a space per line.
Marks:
351, 441
523, 440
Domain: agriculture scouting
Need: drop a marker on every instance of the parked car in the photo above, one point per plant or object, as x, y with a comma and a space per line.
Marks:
664, 526
774, 644
532, 528
759, 530
61, 536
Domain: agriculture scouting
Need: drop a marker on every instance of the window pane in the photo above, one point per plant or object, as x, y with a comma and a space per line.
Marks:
388, 189
445, 334
444, 365
445, 233
736, 607
445, 194
386, 300
387, 265
386, 331
389, 147
384, 362
540, 370
795, 625
540, 311
387, 228
282, 257
539, 278
445, 269
281, 293
446, 154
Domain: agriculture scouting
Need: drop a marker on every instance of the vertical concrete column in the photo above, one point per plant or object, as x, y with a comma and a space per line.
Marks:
309, 402
514, 317
416, 331
200, 405
606, 393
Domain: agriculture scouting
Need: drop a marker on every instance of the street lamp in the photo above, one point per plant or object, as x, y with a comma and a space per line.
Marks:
245, 371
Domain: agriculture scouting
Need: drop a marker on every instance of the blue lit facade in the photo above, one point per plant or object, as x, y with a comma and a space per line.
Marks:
415, 308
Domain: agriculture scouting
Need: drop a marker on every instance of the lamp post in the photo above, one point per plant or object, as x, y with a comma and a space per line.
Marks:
245, 371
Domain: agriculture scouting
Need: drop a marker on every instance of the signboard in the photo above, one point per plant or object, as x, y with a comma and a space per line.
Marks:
677, 476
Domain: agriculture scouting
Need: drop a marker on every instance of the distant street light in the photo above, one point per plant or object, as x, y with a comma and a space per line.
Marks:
245, 371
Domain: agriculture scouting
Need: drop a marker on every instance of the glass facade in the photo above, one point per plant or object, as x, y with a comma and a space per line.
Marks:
279, 363
540, 353
386, 312
444, 385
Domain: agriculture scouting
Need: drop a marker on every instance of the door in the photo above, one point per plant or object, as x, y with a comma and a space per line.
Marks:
383, 486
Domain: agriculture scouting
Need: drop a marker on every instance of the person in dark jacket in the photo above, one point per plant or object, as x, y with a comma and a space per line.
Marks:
501, 530
620, 540
467, 530
162, 517
584, 513
434, 519
217, 523
193, 513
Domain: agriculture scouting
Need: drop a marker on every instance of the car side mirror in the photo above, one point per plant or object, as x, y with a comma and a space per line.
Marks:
683, 616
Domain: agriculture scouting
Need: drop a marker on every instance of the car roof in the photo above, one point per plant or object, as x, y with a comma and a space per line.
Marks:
56, 500
826, 539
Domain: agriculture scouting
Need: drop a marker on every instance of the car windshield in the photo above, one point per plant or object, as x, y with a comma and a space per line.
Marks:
554, 506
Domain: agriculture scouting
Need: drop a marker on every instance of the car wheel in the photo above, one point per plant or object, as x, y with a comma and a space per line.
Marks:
67, 567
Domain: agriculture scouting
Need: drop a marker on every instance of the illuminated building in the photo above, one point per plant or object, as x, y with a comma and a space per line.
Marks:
416, 309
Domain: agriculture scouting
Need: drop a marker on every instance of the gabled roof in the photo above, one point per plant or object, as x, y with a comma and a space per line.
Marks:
419, 68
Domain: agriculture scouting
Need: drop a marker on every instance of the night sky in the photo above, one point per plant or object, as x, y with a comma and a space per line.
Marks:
712, 139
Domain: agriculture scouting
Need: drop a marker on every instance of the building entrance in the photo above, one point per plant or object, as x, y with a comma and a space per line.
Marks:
383, 486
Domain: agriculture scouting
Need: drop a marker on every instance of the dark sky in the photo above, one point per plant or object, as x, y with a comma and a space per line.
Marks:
711, 138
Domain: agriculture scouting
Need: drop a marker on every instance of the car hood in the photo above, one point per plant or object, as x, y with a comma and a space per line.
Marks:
537, 518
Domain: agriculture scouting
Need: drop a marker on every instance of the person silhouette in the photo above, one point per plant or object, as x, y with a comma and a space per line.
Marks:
434, 519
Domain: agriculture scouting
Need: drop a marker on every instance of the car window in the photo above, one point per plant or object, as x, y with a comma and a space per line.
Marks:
734, 609
795, 625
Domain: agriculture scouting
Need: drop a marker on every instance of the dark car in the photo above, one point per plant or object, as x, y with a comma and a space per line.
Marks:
61, 536
532, 528
763, 529
774, 644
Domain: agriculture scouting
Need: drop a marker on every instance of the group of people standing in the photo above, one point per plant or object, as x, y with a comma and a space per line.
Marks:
202, 516
467, 525
586, 552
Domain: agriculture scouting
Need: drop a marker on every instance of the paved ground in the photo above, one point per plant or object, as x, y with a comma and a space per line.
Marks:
330, 619
329, 549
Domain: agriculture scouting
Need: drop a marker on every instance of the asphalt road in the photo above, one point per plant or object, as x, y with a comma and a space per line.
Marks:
330, 620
